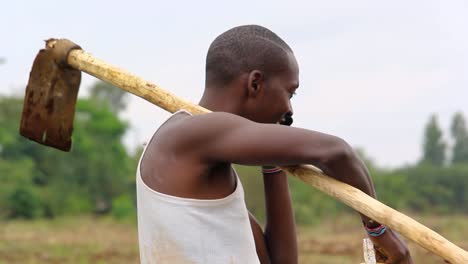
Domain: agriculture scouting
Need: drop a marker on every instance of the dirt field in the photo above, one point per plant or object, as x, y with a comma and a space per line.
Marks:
103, 240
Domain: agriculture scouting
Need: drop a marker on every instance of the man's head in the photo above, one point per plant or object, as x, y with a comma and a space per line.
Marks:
256, 66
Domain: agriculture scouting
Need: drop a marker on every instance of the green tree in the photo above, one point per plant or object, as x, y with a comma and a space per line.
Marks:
115, 97
104, 159
460, 137
96, 171
434, 146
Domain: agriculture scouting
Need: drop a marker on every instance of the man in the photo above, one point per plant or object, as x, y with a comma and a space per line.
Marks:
191, 206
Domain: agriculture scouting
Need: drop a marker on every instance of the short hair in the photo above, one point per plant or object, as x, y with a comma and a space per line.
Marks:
243, 49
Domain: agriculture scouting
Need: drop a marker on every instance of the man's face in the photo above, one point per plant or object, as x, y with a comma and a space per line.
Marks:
278, 90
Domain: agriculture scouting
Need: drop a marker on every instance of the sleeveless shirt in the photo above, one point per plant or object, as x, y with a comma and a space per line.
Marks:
181, 230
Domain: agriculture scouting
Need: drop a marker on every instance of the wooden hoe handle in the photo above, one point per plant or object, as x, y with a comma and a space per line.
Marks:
347, 194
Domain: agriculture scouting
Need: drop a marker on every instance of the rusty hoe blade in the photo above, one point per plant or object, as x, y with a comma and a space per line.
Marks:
51, 94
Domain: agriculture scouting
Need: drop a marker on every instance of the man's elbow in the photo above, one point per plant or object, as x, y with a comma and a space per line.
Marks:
336, 150
338, 157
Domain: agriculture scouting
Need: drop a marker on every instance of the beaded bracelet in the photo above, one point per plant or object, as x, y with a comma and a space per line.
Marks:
376, 231
271, 170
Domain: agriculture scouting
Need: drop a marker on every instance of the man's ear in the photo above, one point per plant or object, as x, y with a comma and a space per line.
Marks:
255, 83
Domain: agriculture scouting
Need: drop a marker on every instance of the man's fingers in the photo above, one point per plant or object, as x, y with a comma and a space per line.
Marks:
381, 256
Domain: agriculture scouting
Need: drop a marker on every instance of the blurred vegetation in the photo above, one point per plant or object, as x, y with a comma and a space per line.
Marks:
38, 181
88, 239
98, 176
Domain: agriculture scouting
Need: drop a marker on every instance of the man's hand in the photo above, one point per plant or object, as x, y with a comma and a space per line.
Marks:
390, 249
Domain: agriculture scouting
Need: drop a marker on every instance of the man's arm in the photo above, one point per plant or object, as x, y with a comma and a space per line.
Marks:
222, 137
260, 243
280, 229
278, 243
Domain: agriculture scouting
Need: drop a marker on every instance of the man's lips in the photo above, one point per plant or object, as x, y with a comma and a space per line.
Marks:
287, 120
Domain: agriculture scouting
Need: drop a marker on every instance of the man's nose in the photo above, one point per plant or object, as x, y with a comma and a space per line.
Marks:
290, 109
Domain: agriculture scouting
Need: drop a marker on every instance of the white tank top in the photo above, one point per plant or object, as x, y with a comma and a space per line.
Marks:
180, 230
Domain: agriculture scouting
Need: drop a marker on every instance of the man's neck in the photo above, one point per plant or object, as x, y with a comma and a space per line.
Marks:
220, 102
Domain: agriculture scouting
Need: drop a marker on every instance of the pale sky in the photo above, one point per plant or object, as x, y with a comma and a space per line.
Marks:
371, 71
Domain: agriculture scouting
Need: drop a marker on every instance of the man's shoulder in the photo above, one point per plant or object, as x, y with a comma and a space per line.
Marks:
217, 116
209, 122
189, 131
